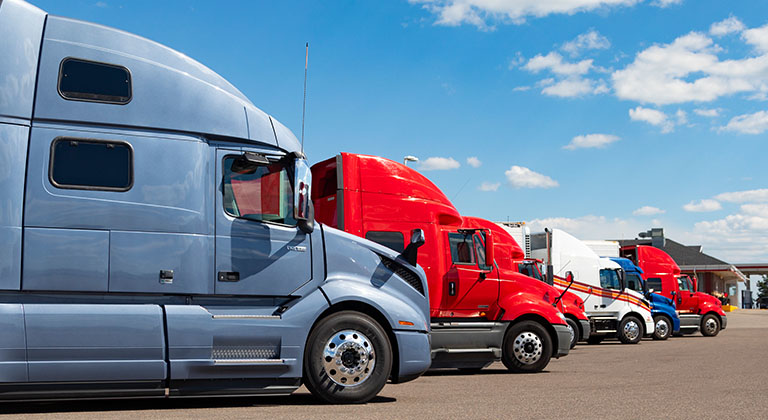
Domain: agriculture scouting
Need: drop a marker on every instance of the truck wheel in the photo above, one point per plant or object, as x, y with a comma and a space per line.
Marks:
527, 347
662, 329
710, 325
573, 328
348, 358
630, 330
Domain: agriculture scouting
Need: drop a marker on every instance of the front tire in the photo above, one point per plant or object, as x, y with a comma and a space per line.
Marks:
527, 347
348, 358
663, 327
573, 327
710, 325
630, 330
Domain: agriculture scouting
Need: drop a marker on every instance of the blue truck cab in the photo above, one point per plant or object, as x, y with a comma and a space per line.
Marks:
157, 236
665, 317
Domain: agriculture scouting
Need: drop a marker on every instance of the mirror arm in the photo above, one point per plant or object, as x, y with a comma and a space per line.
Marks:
564, 291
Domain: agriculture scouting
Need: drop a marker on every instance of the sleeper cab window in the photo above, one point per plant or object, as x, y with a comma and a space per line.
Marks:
91, 165
258, 192
391, 240
83, 80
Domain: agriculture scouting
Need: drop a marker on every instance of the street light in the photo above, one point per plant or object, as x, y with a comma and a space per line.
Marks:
409, 158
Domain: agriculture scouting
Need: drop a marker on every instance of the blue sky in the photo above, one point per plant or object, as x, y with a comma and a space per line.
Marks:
663, 102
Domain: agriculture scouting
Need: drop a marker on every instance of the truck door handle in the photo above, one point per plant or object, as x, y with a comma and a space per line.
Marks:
229, 276
602, 306
452, 288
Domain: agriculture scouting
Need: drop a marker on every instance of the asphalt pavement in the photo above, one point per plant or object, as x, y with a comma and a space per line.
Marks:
684, 377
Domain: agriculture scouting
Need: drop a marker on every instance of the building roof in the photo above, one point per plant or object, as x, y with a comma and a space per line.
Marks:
682, 254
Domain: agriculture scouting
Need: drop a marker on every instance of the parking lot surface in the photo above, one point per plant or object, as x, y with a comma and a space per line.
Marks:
684, 377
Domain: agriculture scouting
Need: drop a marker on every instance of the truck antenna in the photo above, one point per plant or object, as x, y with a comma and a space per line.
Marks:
304, 106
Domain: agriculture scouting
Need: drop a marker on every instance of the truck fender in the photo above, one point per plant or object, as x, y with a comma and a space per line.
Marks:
517, 306
707, 307
390, 307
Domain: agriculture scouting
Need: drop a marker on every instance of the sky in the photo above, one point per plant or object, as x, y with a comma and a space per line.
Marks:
601, 117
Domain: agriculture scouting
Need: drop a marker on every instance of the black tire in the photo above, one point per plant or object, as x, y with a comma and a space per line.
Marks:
595, 339
322, 378
527, 347
630, 330
662, 327
575, 331
710, 325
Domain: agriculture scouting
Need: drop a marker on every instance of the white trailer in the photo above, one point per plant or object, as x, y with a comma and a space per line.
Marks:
614, 310
604, 248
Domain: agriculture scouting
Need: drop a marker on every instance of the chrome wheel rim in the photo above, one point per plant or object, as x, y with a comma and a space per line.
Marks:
631, 330
527, 348
710, 325
662, 327
348, 358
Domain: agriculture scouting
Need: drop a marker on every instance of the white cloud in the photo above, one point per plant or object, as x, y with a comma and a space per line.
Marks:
439, 164
689, 70
554, 63
591, 141
666, 3
474, 162
757, 37
727, 26
648, 211
755, 209
739, 237
682, 117
489, 186
101, 4
756, 123
702, 206
480, 12
574, 87
522, 177
521, 89
591, 40
711, 113
653, 117
749, 196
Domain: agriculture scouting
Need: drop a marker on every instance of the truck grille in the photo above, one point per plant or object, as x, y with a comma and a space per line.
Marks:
407, 275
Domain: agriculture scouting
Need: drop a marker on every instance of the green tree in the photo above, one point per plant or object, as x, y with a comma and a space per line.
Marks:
762, 287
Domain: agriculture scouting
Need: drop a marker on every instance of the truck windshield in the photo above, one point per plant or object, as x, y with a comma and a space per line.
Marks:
634, 282
609, 279
258, 192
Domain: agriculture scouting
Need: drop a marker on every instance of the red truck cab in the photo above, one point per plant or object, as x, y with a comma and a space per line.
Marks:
697, 311
510, 258
479, 313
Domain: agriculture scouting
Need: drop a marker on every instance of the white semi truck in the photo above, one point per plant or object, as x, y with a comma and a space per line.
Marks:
614, 309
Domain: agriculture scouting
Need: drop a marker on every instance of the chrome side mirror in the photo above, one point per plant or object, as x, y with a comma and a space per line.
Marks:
303, 211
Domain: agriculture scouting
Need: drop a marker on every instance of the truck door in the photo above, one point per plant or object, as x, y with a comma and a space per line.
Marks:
609, 281
687, 300
468, 289
259, 248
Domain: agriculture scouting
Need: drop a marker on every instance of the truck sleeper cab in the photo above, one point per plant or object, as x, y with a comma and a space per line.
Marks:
697, 311
615, 310
157, 236
665, 318
479, 314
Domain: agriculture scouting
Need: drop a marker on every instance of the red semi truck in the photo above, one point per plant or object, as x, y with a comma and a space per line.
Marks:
479, 313
697, 311
510, 257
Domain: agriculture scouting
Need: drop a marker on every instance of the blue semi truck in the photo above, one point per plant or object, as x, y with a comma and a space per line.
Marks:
157, 236
665, 317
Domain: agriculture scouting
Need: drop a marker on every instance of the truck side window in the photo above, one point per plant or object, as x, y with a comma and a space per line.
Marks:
654, 283
90, 81
682, 283
634, 282
461, 248
391, 240
261, 193
91, 165
609, 279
